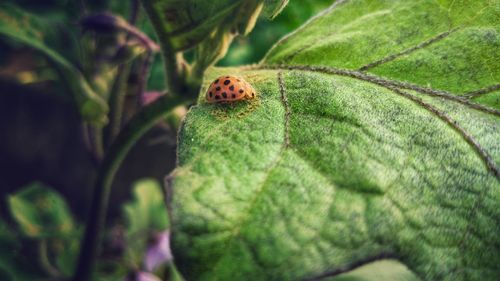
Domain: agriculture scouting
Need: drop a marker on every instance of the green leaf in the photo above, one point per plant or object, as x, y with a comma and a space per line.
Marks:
8, 245
366, 142
146, 214
147, 211
14, 264
40, 212
186, 23
29, 29
376, 271
272, 8
67, 256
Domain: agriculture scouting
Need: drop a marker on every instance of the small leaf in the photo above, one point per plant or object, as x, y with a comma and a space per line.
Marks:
67, 256
184, 23
145, 216
147, 211
40, 212
13, 264
272, 8
28, 29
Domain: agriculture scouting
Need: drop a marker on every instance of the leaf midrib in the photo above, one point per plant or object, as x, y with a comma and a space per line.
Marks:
384, 82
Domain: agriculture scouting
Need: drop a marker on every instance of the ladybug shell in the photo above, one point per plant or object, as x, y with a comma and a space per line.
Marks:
229, 89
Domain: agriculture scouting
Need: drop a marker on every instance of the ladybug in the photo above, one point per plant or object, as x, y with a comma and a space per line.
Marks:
226, 89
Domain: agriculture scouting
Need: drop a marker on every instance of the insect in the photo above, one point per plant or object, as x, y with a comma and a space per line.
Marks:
227, 89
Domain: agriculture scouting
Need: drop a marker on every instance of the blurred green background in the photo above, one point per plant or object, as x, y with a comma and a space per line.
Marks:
252, 48
41, 131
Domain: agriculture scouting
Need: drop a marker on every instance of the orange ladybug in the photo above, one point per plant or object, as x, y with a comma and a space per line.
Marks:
227, 89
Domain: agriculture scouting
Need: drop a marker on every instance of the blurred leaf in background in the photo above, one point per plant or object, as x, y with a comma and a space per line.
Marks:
36, 32
48, 234
147, 210
40, 212
145, 216
251, 49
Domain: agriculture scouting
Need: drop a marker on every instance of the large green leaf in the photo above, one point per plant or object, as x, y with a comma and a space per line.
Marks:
375, 135
29, 29
41, 212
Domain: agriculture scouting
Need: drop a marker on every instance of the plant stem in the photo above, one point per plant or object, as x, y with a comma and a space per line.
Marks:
134, 129
175, 66
116, 100
144, 76
171, 273
96, 135
43, 259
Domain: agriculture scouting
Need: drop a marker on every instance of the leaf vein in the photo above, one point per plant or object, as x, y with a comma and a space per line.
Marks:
483, 91
384, 83
453, 123
261, 186
284, 100
309, 22
408, 51
395, 87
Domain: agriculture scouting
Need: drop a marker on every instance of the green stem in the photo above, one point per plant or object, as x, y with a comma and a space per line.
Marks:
96, 135
116, 101
130, 134
176, 67
43, 258
171, 273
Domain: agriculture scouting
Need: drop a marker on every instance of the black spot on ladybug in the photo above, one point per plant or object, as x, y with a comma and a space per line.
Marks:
241, 91
217, 89
227, 82
216, 81
217, 97
253, 95
210, 94
233, 95
224, 95
231, 88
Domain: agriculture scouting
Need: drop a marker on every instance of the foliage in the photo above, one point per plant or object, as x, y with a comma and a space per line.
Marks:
40, 213
372, 139
252, 48
370, 153
43, 217
145, 215
148, 210
45, 221
32, 31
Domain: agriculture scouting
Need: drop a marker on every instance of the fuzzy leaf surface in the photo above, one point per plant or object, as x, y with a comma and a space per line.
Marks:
374, 135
